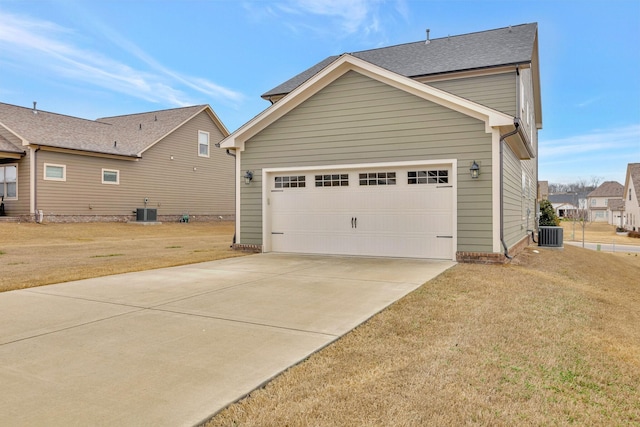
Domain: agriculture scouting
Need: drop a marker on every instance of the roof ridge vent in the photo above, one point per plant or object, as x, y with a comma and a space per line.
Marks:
428, 40
35, 110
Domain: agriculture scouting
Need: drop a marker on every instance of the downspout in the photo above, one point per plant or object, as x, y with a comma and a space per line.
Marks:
229, 153
34, 183
503, 138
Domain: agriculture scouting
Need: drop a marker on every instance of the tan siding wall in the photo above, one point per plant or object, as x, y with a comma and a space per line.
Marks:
359, 120
20, 206
497, 91
186, 184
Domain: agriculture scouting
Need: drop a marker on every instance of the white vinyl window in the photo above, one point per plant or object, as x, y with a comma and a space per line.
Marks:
110, 176
9, 181
203, 143
55, 172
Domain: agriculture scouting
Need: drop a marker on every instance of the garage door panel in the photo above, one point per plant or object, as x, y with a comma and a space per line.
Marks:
383, 218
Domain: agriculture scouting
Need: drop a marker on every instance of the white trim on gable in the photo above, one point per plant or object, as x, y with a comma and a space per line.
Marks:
342, 65
212, 115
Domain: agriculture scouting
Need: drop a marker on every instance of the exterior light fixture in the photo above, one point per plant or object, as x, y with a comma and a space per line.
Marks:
248, 177
475, 170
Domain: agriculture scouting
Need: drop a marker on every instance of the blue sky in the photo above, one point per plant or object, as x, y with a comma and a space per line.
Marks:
93, 59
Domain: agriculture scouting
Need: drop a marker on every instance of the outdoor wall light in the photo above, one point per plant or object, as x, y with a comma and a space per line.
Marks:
475, 170
248, 176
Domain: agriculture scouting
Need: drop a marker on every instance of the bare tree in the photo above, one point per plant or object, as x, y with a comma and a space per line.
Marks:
581, 185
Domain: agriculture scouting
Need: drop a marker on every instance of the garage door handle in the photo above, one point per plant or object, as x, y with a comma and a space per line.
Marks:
354, 222
444, 237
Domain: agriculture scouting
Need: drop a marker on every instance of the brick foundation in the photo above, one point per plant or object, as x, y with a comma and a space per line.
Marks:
65, 219
493, 258
247, 248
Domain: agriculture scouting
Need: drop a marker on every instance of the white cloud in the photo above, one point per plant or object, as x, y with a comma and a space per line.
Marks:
46, 45
619, 139
346, 17
603, 153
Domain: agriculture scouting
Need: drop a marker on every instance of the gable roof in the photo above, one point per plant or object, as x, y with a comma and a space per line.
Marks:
504, 46
342, 65
128, 135
566, 198
633, 175
608, 189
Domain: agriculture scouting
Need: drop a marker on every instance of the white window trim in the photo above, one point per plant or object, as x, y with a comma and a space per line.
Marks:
111, 182
17, 186
64, 172
208, 143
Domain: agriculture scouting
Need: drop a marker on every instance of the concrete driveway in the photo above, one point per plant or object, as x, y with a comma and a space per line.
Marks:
174, 346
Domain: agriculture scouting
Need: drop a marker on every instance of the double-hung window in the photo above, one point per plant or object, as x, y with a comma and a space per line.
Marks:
9, 181
203, 143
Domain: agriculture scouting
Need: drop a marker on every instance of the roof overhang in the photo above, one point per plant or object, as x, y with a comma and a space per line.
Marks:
85, 152
345, 63
518, 140
11, 155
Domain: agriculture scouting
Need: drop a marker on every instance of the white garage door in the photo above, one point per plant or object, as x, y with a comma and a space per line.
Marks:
396, 212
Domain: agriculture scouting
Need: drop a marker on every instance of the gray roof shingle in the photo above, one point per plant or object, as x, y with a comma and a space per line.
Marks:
133, 133
608, 189
493, 48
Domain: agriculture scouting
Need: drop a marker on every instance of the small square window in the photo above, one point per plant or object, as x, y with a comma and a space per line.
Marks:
110, 176
55, 172
333, 180
428, 177
289, 182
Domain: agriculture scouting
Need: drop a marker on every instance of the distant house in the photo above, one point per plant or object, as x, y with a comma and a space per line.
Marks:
568, 205
598, 201
422, 150
631, 193
70, 169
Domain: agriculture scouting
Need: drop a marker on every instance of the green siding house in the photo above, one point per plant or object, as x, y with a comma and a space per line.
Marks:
421, 150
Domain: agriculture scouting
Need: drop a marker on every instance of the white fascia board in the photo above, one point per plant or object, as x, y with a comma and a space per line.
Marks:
496, 213
340, 66
362, 165
206, 108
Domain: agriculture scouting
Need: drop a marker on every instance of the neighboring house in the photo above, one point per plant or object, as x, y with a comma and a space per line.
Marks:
71, 169
631, 194
372, 153
616, 212
568, 205
598, 201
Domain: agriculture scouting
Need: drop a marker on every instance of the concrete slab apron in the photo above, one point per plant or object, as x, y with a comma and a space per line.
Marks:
174, 346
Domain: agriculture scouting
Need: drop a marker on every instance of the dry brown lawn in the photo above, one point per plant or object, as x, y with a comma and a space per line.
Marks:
39, 254
551, 339
596, 232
